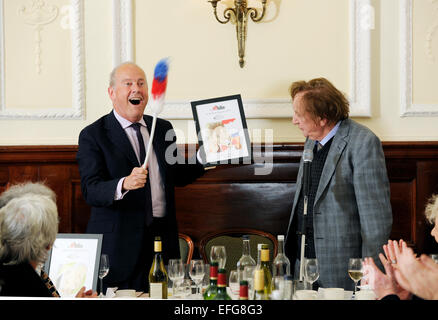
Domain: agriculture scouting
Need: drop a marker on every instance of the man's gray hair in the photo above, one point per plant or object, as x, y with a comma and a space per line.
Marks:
24, 188
28, 227
112, 79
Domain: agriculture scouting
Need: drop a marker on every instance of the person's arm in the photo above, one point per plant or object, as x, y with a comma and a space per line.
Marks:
185, 169
371, 187
98, 188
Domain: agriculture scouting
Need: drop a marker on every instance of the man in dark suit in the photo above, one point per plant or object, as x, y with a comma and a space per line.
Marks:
130, 204
349, 212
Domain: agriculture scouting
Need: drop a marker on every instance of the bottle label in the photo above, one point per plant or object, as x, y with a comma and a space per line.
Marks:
156, 290
213, 272
157, 246
264, 256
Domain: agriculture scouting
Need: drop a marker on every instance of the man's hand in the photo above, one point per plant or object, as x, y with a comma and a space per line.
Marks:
136, 180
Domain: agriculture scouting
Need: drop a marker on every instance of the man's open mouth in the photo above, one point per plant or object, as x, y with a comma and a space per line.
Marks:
135, 101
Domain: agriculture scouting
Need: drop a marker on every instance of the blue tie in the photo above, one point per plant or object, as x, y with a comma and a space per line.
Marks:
147, 188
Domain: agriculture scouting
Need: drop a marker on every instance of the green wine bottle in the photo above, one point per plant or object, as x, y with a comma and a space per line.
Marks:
211, 290
157, 274
222, 286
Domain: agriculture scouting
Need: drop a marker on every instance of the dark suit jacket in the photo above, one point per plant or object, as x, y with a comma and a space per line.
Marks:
105, 155
21, 280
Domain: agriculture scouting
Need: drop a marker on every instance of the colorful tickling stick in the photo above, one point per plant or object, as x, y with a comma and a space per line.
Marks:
158, 92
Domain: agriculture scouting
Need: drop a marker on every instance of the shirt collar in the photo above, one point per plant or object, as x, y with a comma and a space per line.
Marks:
126, 123
331, 134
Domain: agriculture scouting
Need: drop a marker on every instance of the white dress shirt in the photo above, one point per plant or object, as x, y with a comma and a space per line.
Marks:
157, 186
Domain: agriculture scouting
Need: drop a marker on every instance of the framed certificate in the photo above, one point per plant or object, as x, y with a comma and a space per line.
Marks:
222, 130
73, 262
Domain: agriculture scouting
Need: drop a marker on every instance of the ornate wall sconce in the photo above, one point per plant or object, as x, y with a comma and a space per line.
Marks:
240, 12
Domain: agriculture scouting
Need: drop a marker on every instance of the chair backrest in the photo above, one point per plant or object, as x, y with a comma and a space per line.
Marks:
232, 240
186, 247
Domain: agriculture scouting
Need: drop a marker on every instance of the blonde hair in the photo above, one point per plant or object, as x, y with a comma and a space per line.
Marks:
431, 210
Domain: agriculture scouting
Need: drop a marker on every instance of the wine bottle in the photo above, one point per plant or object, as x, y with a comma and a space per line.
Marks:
281, 264
157, 274
243, 291
259, 285
245, 259
222, 286
265, 266
211, 290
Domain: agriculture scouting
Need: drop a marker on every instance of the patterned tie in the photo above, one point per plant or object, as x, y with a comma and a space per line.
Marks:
147, 188
136, 127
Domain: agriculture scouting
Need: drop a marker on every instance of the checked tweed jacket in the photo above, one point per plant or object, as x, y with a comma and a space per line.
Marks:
352, 215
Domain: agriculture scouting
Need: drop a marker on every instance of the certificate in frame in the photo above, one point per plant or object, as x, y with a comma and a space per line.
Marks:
73, 262
222, 130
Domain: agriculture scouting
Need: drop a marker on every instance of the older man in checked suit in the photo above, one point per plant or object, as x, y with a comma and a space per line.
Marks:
349, 212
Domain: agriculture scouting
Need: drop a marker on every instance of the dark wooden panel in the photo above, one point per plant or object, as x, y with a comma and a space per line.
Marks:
203, 208
256, 195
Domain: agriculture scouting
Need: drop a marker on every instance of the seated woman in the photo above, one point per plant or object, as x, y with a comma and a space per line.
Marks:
28, 228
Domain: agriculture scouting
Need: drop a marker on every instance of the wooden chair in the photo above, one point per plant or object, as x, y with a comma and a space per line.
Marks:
186, 247
232, 240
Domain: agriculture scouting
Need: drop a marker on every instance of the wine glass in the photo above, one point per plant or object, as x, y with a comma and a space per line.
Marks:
311, 271
103, 271
219, 254
355, 271
176, 273
196, 272
234, 283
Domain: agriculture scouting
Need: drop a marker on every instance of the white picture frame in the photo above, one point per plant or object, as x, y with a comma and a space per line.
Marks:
73, 262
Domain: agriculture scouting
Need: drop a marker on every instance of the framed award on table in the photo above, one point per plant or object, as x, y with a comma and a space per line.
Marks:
222, 131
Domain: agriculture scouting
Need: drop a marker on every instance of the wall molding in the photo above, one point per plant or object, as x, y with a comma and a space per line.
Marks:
407, 107
360, 65
77, 111
123, 32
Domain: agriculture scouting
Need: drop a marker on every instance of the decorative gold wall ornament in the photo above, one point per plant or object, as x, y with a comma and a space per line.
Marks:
38, 15
240, 13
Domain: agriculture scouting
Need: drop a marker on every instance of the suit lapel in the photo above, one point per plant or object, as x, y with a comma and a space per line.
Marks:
118, 137
337, 148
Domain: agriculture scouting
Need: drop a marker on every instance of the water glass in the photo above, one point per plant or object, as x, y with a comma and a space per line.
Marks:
311, 270
248, 275
176, 273
279, 288
197, 272
234, 282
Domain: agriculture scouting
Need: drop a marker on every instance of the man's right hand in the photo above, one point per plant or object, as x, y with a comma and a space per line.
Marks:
136, 180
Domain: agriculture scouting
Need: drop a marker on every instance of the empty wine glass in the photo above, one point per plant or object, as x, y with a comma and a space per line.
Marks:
196, 272
103, 271
355, 270
219, 255
176, 273
311, 271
